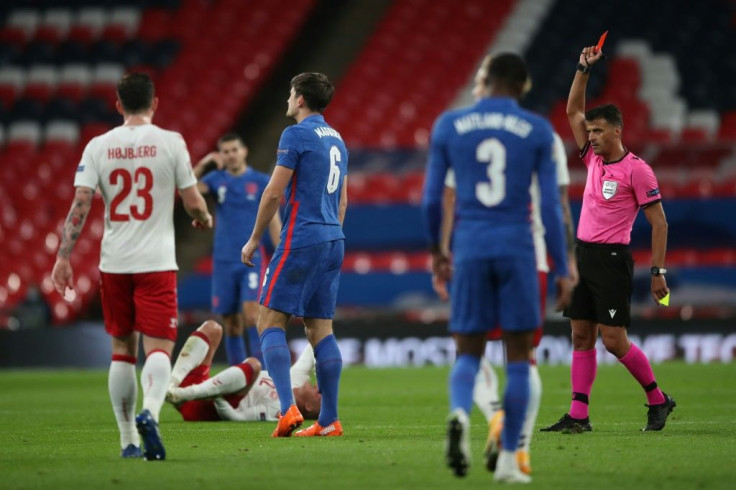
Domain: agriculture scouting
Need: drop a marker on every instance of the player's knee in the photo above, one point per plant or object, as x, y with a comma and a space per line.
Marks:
255, 364
582, 341
616, 345
211, 327
251, 319
232, 325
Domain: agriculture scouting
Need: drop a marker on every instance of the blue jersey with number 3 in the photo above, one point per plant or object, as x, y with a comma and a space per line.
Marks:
319, 159
494, 147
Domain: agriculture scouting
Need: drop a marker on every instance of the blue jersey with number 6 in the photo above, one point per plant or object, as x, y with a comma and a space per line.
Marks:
319, 159
494, 147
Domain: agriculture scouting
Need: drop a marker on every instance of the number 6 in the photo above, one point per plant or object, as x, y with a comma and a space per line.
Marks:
334, 178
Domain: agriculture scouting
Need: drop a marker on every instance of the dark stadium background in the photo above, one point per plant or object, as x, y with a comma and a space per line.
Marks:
222, 65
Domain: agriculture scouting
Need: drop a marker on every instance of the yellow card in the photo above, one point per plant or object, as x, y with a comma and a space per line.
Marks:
665, 301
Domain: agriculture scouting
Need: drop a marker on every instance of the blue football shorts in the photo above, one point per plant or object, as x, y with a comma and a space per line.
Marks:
304, 281
495, 292
234, 283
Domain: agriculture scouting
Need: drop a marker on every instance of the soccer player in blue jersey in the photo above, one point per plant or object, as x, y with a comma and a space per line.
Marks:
494, 148
303, 276
237, 189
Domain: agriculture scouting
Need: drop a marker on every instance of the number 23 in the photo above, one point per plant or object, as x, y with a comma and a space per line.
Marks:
141, 174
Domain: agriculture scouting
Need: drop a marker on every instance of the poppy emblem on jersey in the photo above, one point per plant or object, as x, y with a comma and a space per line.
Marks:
609, 188
250, 190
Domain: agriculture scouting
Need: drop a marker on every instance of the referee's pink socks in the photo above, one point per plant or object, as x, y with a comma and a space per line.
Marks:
582, 374
638, 365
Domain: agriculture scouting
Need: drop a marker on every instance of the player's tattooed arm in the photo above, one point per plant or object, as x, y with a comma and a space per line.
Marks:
75, 220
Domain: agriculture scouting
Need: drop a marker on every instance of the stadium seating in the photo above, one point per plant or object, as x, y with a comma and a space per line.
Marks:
58, 70
59, 64
393, 86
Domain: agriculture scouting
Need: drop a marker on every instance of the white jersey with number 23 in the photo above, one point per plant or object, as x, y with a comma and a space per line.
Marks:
137, 170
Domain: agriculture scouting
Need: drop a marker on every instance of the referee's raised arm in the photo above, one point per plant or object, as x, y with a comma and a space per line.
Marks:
576, 99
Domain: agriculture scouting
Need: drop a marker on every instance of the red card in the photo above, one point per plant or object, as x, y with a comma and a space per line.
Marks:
601, 41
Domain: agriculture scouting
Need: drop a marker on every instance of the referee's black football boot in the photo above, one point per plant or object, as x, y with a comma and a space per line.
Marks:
569, 425
657, 415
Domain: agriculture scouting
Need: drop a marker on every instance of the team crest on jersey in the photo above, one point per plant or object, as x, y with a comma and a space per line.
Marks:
609, 188
251, 188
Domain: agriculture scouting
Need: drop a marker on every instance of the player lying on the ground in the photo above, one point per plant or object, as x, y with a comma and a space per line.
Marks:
242, 392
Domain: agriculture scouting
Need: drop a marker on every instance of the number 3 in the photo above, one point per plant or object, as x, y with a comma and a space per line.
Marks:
334, 178
493, 153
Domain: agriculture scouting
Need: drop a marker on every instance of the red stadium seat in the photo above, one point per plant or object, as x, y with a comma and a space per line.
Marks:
694, 135
155, 24
395, 55
728, 126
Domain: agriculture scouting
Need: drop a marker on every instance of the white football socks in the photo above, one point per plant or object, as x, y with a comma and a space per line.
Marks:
535, 399
155, 380
485, 391
123, 387
303, 368
192, 354
231, 380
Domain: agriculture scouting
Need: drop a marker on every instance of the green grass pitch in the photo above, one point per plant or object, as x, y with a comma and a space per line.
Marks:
58, 432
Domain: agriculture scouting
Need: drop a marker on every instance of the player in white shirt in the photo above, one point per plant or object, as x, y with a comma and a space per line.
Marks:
243, 392
485, 393
137, 167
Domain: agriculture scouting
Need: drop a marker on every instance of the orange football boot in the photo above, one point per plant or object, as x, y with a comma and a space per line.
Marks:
524, 462
316, 430
493, 443
288, 422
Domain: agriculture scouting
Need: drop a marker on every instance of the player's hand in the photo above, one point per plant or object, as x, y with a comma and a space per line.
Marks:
62, 276
246, 254
213, 156
205, 224
441, 266
590, 56
216, 157
659, 288
440, 287
564, 293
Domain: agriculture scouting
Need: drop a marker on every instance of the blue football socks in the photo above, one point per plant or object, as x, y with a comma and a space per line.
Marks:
277, 358
329, 366
235, 349
515, 402
462, 381
254, 344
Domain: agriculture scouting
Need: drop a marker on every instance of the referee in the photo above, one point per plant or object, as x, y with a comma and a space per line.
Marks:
618, 184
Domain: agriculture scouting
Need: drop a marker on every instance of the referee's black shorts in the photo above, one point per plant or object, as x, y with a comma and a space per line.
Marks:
603, 294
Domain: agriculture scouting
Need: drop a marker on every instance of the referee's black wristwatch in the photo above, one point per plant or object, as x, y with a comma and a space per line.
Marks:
658, 271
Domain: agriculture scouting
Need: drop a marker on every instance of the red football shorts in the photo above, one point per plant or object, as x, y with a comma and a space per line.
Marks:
144, 302
202, 410
497, 333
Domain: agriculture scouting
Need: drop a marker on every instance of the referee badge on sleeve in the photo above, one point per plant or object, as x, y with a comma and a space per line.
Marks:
609, 188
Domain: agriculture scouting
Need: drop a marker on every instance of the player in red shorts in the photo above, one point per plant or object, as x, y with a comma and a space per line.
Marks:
485, 393
137, 167
242, 392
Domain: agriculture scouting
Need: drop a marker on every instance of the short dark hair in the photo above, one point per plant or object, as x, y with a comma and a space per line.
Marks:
315, 88
135, 91
308, 412
609, 112
507, 69
230, 137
